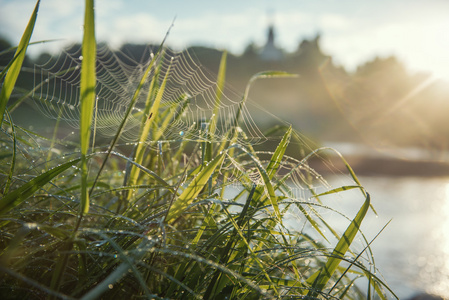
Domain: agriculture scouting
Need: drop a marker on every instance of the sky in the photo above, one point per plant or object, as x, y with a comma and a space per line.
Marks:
352, 32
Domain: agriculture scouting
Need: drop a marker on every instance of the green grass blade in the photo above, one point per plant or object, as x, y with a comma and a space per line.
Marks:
146, 124
252, 252
193, 189
278, 155
129, 109
87, 90
173, 114
337, 190
267, 186
14, 69
221, 78
319, 279
208, 148
5, 70
14, 153
354, 177
218, 281
15, 197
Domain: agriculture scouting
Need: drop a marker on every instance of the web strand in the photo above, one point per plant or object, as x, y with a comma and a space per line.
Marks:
188, 84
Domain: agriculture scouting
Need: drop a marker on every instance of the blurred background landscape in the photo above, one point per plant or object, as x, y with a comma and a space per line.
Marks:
373, 83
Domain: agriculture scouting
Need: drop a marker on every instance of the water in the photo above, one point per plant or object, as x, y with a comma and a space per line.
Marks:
412, 253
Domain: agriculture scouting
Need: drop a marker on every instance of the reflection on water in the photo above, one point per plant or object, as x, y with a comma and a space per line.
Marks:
413, 251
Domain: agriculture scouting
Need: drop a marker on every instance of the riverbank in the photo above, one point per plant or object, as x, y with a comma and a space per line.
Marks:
382, 166
368, 160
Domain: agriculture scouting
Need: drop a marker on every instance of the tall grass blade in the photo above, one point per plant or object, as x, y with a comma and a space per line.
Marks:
87, 90
278, 155
193, 189
319, 279
221, 78
354, 177
147, 120
267, 186
14, 69
218, 281
126, 267
14, 153
5, 69
15, 197
129, 109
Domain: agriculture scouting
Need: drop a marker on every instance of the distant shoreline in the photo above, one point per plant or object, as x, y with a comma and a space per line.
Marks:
379, 166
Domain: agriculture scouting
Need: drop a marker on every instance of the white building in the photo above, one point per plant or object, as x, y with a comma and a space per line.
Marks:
270, 52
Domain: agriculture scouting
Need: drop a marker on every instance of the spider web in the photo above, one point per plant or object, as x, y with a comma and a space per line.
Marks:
190, 91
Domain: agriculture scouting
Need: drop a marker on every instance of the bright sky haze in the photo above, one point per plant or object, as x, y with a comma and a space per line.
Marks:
352, 32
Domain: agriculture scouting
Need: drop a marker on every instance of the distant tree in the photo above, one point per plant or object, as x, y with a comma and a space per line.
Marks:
132, 54
5, 57
389, 105
250, 51
308, 57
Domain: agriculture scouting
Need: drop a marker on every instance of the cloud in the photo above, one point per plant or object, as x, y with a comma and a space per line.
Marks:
14, 18
334, 22
413, 30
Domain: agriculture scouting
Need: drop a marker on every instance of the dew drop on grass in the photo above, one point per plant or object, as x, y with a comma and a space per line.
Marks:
110, 286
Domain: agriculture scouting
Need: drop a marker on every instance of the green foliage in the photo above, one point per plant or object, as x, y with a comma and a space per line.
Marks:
87, 91
193, 218
13, 69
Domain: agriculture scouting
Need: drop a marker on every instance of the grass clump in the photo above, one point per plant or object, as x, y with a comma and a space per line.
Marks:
185, 219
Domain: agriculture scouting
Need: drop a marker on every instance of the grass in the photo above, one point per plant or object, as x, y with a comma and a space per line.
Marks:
166, 223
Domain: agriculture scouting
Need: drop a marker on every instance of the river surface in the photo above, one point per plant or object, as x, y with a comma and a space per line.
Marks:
412, 253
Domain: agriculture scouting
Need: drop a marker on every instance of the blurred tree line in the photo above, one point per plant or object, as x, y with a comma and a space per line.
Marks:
381, 102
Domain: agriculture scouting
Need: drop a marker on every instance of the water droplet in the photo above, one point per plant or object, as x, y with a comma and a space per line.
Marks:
31, 225
110, 286
181, 133
81, 57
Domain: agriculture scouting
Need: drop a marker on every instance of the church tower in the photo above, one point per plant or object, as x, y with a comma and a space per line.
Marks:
270, 52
